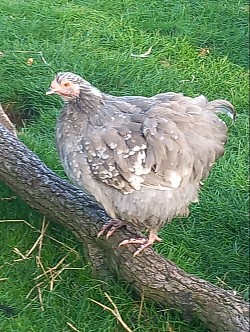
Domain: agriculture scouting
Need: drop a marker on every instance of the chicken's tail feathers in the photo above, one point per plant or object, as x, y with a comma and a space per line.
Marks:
222, 106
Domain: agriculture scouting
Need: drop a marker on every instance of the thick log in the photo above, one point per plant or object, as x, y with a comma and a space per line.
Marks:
157, 278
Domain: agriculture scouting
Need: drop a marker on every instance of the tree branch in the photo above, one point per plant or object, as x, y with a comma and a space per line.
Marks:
159, 279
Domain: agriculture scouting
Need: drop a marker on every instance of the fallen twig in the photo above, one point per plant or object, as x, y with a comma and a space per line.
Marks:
143, 55
72, 327
114, 311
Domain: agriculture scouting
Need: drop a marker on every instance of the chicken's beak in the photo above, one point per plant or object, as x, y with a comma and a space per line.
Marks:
51, 91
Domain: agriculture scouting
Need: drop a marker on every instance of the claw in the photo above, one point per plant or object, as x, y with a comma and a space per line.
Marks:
111, 227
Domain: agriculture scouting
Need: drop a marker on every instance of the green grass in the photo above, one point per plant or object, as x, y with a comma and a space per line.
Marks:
95, 39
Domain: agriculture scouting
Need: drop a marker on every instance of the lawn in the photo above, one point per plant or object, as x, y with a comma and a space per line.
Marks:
197, 47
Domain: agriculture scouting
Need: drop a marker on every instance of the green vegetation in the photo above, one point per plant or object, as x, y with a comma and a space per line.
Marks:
95, 38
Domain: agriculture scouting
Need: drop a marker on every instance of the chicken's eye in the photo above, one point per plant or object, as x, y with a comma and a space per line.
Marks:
66, 84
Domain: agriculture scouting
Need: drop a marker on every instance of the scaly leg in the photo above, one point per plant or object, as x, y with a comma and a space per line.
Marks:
145, 243
111, 227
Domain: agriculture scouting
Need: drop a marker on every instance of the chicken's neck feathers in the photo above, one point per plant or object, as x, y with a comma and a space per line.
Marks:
88, 101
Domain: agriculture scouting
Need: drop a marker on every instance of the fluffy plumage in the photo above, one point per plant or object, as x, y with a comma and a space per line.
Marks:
141, 158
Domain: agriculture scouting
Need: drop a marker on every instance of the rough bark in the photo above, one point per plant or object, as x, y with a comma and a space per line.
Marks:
158, 278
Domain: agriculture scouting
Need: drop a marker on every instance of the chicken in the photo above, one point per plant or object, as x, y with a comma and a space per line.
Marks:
141, 158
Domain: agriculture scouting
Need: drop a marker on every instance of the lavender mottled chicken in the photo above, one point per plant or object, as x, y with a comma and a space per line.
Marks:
141, 158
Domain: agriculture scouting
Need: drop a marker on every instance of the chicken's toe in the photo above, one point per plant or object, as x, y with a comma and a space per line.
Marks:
111, 227
144, 242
